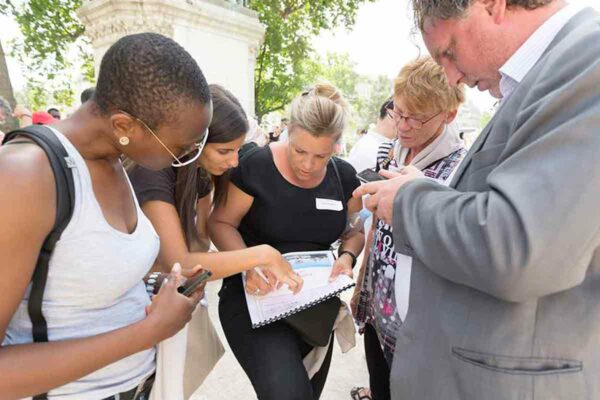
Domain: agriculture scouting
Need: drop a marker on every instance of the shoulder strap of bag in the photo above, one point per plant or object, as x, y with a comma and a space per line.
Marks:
65, 200
339, 180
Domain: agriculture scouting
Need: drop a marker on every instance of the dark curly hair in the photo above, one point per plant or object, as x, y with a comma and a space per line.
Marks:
447, 9
148, 76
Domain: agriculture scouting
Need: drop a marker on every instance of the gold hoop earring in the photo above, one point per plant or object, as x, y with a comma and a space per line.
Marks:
124, 141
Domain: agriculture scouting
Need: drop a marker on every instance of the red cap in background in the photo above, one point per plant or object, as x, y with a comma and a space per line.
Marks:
42, 118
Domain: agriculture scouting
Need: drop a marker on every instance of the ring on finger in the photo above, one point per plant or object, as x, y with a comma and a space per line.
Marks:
257, 291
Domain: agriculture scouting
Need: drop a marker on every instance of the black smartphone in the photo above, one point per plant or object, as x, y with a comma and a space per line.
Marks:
191, 285
369, 175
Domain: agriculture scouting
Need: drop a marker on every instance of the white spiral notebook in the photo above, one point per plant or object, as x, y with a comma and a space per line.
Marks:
314, 267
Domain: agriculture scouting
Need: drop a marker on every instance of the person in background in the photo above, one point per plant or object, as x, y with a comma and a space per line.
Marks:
87, 94
254, 138
54, 112
274, 135
423, 109
284, 130
273, 199
364, 153
26, 117
42, 118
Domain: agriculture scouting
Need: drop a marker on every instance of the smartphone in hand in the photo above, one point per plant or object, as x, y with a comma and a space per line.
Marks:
369, 175
192, 284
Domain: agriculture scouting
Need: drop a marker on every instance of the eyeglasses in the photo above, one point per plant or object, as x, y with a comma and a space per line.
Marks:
187, 157
412, 122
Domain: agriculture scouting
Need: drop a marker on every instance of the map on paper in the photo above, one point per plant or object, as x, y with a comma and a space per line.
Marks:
314, 267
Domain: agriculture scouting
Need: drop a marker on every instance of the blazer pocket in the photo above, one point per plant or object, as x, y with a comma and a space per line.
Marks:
517, 365
486, 157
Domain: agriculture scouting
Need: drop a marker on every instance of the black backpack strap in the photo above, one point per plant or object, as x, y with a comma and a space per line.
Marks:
65, 201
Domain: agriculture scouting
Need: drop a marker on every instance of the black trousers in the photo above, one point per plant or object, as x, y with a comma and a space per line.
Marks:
379, 370
271, 355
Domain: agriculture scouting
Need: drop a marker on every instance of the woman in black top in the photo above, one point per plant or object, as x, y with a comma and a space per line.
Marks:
288, 195
178, 200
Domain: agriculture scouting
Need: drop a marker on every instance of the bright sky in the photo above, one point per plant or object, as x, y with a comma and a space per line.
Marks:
380, 42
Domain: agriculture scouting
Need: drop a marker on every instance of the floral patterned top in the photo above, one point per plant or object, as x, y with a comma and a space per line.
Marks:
377, 304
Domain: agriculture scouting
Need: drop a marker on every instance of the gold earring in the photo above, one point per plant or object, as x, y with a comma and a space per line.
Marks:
124, 141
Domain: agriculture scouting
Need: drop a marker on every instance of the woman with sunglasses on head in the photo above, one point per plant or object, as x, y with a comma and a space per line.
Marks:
295, 196
178, 200
101, 326
424, 107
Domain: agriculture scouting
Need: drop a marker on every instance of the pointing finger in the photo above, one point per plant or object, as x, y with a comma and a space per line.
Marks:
367, 188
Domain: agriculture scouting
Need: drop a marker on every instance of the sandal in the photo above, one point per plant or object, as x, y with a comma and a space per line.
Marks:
360, 393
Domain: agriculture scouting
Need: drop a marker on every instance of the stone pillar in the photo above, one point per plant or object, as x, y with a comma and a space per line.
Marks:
222, 36
6, 91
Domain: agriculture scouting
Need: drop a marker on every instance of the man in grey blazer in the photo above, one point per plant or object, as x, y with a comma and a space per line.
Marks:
505, 286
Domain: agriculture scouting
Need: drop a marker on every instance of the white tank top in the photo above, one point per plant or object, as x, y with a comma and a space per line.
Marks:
94, 286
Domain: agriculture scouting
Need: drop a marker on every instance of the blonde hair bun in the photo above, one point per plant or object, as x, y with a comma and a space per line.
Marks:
321, 111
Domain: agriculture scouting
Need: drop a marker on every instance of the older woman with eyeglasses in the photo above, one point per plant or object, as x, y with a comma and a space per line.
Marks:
424, 108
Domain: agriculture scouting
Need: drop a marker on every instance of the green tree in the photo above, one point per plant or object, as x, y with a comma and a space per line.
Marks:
378, 90
53, 43
284, 64
364, 93
339, 70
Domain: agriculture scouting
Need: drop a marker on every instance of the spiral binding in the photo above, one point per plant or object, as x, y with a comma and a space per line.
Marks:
304, 307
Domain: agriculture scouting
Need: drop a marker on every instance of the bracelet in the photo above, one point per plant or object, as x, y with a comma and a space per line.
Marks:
341, 253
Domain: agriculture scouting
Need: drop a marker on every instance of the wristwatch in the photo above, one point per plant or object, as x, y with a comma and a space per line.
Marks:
350, 254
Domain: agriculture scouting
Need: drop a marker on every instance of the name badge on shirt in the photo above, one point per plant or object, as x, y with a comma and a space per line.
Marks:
328, 204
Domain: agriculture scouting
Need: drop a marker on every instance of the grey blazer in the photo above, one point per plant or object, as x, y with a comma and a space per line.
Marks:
505, 290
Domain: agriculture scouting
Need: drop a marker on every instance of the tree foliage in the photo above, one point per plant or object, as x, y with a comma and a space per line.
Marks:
286, 61
49, 27
364, 93
52, 44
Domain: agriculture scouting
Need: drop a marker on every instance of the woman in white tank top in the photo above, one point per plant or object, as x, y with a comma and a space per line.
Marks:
152, 105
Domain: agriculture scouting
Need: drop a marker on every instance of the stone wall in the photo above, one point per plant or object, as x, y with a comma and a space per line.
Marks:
6, 91
222, 36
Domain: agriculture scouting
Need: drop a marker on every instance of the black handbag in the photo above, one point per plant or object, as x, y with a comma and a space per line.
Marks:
315, 324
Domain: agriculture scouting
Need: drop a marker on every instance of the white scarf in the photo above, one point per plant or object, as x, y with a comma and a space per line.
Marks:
444, 145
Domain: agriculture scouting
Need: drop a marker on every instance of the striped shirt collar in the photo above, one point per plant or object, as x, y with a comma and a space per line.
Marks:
521, 62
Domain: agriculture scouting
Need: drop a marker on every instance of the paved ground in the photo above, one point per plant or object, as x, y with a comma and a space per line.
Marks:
228, 381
